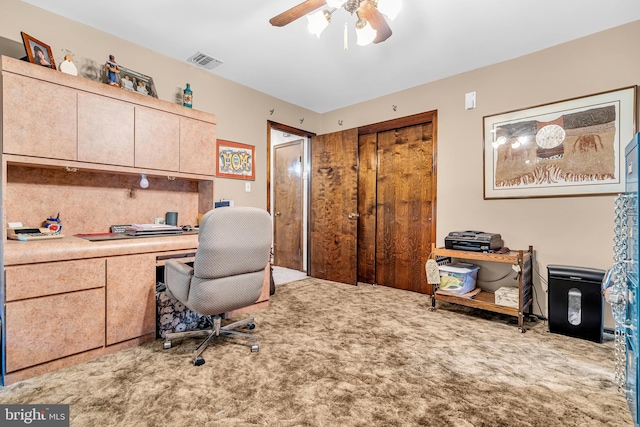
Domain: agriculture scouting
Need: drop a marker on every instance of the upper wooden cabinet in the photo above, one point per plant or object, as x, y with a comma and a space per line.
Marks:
157, 137
52, 115
197, 146
105, 130
38, 118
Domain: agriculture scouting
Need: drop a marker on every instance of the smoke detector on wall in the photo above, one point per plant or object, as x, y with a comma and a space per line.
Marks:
204, 61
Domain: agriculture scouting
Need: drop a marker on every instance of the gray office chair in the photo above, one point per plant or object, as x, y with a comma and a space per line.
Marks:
228, 272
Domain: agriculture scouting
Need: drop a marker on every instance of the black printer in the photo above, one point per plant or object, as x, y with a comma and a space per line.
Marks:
475, 241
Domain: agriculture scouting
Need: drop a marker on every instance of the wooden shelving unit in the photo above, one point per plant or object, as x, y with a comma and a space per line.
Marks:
486, 300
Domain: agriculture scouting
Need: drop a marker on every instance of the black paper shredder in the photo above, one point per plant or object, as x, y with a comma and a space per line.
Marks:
575, 302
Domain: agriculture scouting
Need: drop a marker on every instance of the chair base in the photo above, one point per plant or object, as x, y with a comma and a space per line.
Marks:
213, 334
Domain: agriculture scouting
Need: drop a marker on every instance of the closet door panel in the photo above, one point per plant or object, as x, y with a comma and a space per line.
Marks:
367, 174
334, 203
404, 206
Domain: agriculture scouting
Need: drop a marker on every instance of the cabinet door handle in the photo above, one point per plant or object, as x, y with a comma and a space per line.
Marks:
354, 215
277, 214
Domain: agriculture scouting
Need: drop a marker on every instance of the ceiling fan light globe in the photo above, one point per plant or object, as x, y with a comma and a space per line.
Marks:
389, 8
365, 34
318, 21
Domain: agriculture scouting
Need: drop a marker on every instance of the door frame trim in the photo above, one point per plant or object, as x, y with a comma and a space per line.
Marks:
271, 125
283, 128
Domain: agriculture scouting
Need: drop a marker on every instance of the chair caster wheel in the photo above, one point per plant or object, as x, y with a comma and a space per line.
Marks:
198, 361
166, 345
254, 348
251, 326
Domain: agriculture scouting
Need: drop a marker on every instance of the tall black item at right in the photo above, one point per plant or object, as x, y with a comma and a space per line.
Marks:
575, 302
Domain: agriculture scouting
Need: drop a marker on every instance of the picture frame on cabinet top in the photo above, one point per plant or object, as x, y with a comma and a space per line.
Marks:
38, 52
134, 81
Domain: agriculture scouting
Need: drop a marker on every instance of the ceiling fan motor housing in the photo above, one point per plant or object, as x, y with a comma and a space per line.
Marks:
351, 5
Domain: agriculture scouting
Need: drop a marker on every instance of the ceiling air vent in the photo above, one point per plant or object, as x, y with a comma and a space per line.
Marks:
204, 61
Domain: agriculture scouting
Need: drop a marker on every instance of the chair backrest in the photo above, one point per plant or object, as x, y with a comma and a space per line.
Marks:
233, 241
234, 245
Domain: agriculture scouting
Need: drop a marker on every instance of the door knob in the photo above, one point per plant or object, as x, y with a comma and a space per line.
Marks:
353, 215
277, 213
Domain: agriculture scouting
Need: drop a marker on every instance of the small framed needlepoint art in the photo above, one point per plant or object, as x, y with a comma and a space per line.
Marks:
235, 160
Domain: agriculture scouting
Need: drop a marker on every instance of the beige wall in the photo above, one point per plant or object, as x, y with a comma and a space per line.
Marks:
565, 230
572, 231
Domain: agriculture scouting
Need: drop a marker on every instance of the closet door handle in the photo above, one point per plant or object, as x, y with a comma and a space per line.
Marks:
354, 215
277, 213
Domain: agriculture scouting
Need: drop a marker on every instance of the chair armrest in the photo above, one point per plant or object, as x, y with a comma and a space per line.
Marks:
177, 279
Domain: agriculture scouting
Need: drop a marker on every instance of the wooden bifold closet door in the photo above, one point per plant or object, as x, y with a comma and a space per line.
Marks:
403, 226
373, 203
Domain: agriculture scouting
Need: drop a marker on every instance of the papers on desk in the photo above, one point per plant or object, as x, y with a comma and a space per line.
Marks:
151, 229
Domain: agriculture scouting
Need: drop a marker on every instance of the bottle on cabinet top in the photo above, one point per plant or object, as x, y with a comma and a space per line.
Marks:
187, 98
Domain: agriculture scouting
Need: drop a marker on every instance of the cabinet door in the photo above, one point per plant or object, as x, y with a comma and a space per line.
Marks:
131, 297
197, 146
105, 130
51, 327
157, 136
39, 118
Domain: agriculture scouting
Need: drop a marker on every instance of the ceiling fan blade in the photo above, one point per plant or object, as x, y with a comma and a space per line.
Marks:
368, 11
296, 12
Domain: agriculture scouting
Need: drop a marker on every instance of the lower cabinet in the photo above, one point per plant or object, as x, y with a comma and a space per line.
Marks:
61, 313
48, 328
131, 297
53, 310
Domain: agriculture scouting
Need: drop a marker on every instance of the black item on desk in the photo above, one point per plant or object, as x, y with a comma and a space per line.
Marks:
576, 305
172, 218
475, 241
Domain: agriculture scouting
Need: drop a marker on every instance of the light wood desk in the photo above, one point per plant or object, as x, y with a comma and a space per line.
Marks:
71, 300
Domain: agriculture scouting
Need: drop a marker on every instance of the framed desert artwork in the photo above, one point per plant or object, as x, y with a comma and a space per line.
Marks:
235, 160
573, 147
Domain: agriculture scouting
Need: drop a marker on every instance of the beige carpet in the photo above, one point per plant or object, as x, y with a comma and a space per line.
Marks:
338, 355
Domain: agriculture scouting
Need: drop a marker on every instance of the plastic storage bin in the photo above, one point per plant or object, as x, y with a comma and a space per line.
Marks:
458, 278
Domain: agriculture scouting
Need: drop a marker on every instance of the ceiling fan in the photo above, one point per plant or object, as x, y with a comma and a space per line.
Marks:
371, 25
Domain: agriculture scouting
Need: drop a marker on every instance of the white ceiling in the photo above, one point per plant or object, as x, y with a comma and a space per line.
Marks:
432, 39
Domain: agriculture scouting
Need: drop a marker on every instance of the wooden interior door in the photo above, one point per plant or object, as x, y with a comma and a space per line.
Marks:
333, 206
404, 206
367, 187
287, 203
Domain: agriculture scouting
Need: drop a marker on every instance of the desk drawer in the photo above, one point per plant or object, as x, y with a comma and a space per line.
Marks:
43, 329
37, 280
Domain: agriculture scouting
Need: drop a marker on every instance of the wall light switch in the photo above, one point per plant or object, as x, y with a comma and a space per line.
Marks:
470, 101
247, 187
